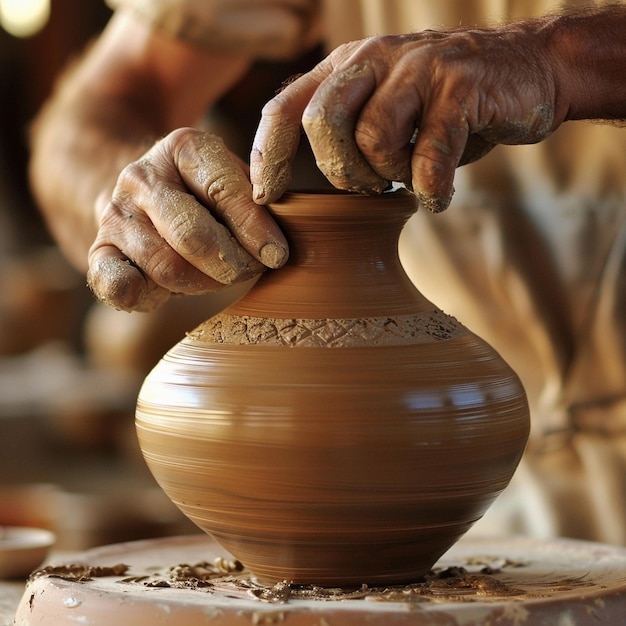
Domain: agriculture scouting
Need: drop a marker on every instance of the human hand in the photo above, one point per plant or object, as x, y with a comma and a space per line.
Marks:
180, 220
410, 108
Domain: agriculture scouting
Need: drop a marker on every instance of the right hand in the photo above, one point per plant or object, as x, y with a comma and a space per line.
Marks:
180, 220
411, 108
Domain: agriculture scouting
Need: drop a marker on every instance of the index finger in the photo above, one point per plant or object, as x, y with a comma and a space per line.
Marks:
276, 141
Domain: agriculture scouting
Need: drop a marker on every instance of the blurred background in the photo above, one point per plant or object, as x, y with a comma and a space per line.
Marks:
68, 455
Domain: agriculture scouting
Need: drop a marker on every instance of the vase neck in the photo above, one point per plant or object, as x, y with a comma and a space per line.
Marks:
343, 259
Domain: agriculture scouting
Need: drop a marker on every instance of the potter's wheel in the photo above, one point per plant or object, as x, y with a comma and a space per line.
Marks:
504, 582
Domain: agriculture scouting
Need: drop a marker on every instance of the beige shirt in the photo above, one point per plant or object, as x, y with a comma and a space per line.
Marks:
531, 254
264, 29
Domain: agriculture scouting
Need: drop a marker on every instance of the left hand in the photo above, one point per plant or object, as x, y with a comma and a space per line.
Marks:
180, 220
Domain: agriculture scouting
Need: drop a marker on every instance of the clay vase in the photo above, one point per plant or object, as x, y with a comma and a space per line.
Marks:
333, 426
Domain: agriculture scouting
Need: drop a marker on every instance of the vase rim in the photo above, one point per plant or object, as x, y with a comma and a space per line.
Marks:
341, 204
333, 191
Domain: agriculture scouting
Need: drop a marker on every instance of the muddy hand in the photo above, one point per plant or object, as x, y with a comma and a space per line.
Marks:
409, 108
180, 220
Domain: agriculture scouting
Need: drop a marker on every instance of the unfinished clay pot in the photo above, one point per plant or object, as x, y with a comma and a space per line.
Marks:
333, 426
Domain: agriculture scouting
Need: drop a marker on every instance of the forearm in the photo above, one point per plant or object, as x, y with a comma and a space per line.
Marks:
590, 48
133, 86
78, 147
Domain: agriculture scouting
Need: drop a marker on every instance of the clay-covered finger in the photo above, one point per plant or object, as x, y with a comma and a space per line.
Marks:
276, 141
330, 121
213, 173
439, 146
158, 250
386, 126
158, 222
116, 282
196, 236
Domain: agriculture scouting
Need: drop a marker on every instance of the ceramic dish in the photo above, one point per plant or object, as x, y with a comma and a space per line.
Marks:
22, 550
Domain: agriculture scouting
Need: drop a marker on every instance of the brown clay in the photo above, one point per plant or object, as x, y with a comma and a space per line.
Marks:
480, 581
334, 427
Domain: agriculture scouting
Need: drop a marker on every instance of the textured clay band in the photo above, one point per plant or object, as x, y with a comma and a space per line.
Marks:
329, 333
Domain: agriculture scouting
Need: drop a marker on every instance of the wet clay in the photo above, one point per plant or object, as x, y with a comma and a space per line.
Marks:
118, 283
452, 584
273, 167
508, 582
325, 429
333, 124
204, 241
347, 333
220, 176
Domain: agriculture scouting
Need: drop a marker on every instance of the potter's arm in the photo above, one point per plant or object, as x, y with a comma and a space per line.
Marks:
131, 87
464, 90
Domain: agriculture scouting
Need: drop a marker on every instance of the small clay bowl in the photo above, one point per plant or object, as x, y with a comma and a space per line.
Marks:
23, 549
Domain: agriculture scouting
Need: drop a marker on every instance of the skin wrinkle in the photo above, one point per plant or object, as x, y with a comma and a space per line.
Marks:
118, 283
276, 159
221, 176
510, 84
385, 162
192, 252
194, 239
385, 139
536, 127
213, 165
218, 188
187, 234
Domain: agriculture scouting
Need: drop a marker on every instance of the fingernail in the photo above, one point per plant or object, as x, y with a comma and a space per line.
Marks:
273, 255
258, 194
433, 203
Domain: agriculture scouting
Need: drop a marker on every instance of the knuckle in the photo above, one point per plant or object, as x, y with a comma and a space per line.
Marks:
121, 220
179, 136
171, 274
368, 47
275, 107
380, 43
122, 200
164, 267
140, 179
188, 234
134, 175
221, 185
370, 140
315, 116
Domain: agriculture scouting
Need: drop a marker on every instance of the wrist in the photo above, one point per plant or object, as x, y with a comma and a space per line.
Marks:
587, 53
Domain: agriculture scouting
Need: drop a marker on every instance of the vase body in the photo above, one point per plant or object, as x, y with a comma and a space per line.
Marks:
334, 427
